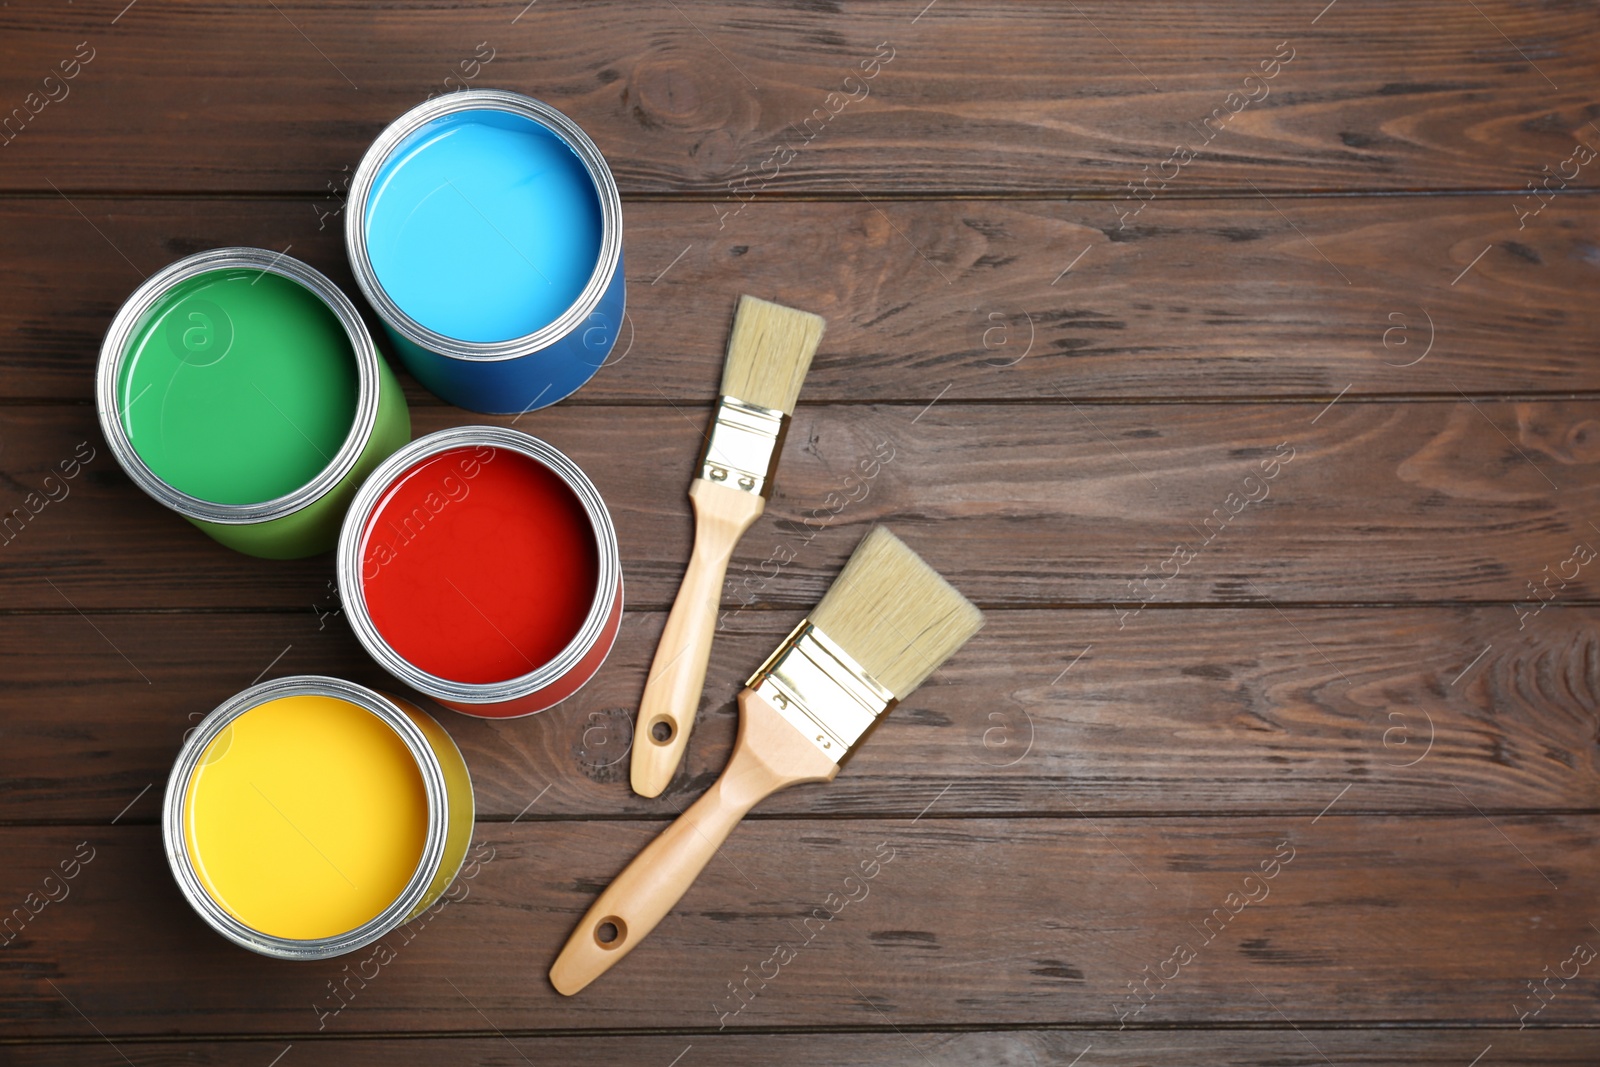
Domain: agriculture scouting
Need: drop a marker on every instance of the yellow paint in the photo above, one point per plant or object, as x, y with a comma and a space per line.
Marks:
306, 817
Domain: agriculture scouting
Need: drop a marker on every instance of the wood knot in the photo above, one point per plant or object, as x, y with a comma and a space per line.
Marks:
1583, 441
679, 92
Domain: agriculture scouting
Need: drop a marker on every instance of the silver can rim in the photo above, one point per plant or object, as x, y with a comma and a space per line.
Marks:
114, 351
605, 187
353, 594
385, 921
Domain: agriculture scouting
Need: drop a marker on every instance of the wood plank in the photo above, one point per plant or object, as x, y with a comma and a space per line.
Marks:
1453, 1047
1002, 97
1215, 711
1195, 299
1340, 693
1020, 505
981, 923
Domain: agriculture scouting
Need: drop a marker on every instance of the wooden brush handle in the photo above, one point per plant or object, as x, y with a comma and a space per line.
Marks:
678, 672
769, 755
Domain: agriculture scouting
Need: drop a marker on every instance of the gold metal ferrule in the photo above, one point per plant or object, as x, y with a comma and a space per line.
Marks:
821, 691
742, 446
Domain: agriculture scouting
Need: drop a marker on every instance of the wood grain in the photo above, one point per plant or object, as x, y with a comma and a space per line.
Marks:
1023, 505
1064, 385
1450, 1047
1366, 919
1143, 313
1001, 97
1044, 713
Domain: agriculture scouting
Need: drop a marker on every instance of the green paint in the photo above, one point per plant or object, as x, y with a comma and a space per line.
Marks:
315, 527
239, 386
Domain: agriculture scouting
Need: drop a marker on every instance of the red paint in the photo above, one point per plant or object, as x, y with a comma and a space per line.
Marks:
560, 688
479, 565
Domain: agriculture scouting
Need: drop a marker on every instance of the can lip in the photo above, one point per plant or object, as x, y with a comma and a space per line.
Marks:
113, 353
353, 593
371, 930
605, 187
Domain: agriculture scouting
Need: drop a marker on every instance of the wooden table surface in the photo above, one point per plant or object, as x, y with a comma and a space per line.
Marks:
1236, 358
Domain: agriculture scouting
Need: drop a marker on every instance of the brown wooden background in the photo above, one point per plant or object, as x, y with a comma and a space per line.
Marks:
1343, 269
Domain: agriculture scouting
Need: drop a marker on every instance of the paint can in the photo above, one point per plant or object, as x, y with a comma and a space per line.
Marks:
485, 229
240, 388
479, 565
307, 816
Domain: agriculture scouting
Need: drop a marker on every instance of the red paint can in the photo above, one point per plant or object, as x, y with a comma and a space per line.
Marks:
479, 566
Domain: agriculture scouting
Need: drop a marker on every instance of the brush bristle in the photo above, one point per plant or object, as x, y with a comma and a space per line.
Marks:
769, 353
894, 614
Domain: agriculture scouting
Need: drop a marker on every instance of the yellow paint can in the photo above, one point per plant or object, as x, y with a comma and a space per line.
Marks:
308, 816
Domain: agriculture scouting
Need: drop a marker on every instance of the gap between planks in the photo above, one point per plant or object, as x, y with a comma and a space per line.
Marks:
428, 401
814, 197
1074, 815
856, 1028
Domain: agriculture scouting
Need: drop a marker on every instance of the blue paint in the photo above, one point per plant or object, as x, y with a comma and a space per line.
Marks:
483, 226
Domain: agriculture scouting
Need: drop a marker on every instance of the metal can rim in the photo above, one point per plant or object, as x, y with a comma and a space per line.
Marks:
113, 353
353, 594
391, 917
588, 153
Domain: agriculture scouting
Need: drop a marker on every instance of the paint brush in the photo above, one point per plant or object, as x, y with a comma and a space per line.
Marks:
886, 623
769, 353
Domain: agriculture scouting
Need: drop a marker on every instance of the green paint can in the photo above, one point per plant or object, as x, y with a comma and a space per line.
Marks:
240, 388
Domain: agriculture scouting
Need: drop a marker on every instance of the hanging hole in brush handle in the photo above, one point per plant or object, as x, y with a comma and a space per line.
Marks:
610, 933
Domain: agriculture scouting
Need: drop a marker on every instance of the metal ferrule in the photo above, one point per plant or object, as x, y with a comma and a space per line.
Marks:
821, 691
743, 445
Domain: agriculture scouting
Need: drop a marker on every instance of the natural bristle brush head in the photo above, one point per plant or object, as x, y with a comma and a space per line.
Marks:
769, 353
894, 615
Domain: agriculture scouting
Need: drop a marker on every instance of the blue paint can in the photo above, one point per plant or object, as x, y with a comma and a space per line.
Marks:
485, 229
